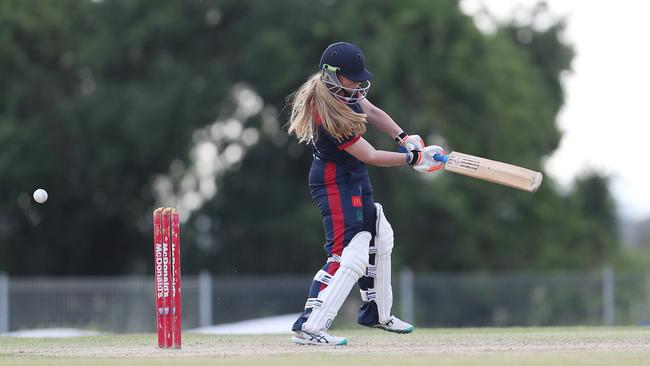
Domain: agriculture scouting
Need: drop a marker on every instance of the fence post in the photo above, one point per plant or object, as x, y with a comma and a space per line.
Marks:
205, 299
406, 290
4, 303
608, 295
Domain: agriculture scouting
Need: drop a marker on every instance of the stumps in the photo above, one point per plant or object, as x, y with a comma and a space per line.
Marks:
167, 274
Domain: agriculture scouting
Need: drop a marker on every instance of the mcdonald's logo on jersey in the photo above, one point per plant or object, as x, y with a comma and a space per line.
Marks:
356, 201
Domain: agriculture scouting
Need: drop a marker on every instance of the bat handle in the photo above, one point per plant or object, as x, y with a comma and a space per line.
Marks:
440, 157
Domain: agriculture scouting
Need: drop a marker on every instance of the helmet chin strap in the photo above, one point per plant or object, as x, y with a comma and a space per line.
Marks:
350, 95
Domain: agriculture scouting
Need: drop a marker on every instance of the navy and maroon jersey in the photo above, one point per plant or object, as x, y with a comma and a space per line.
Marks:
341, 189
327, 148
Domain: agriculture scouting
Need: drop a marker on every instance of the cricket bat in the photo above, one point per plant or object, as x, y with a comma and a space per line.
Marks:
491, 171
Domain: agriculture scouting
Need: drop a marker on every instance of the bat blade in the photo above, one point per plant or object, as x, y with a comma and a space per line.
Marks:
491, 171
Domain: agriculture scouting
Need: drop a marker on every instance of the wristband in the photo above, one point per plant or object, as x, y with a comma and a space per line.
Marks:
400, 138
413, 157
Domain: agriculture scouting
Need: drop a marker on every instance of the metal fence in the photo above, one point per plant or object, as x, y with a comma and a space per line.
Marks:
126, 304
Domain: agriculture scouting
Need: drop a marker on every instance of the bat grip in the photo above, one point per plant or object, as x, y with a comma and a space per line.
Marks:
440, 157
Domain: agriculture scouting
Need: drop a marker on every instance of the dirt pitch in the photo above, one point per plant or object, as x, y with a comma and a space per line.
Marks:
487, 346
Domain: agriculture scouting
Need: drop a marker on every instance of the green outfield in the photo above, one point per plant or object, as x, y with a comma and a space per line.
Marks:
481, 346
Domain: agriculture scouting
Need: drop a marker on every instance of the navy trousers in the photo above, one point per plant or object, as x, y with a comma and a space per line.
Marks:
343, 195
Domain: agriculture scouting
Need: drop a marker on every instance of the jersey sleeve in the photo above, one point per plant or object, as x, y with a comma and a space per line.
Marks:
347, 142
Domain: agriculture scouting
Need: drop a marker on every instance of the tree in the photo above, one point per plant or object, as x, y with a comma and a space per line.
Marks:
101, 99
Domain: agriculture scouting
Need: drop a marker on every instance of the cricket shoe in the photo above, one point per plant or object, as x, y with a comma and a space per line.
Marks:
395, 325
321, 338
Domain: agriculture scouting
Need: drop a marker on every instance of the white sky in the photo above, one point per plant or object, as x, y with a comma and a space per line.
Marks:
606, 117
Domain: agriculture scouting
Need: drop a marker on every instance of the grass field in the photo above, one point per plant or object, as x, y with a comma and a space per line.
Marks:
483, 346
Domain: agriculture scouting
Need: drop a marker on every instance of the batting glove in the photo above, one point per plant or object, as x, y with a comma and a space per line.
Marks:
426, 163
409, 142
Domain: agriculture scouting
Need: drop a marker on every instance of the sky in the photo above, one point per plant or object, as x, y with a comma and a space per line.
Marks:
606, 118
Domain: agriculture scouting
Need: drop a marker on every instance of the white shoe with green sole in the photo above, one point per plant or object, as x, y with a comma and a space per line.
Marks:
396, 325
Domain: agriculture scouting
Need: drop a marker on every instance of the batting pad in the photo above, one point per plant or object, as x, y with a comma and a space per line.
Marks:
383, 287
354, 261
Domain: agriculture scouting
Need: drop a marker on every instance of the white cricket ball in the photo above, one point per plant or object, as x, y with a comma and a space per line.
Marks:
40, 195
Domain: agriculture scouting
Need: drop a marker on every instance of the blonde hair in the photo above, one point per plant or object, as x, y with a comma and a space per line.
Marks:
338, 119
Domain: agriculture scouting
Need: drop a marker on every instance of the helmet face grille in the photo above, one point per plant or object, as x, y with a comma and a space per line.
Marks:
348, 96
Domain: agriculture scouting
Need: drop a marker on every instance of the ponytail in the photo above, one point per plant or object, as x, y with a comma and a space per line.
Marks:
312, 99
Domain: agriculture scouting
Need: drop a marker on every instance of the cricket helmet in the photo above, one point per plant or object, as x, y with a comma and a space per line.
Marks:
346, 59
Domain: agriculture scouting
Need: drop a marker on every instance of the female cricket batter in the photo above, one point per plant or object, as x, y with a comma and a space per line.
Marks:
330, 111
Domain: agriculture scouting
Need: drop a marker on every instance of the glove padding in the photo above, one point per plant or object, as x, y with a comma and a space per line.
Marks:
412, 142
427, 164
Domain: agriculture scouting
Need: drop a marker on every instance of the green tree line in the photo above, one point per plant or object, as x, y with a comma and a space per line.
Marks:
100, 99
